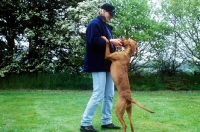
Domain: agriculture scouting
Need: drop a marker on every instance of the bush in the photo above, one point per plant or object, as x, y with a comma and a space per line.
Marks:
66, 81
46, 81
146, 83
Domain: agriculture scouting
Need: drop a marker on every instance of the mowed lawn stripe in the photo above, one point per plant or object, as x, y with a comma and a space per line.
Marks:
61, 111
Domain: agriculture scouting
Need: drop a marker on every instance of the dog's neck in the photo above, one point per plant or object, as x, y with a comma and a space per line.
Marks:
128, 52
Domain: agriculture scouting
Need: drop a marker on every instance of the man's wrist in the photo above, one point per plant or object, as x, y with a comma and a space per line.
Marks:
109, 41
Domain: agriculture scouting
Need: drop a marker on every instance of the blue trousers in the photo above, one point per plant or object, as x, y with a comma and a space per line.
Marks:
103, 90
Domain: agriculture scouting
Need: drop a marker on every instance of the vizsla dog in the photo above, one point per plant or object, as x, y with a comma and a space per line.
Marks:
119, 73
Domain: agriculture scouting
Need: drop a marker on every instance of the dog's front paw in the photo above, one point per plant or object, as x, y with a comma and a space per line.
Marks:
103, 37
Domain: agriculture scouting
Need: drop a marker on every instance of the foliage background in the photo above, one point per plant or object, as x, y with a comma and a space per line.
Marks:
45, 42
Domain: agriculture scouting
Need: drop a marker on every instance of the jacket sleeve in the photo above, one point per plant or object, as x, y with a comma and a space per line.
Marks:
93, 37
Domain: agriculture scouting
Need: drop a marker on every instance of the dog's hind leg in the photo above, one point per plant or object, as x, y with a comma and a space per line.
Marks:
120, 110
129, 112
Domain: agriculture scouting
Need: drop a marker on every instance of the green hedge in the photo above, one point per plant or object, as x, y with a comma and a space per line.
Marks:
64, 81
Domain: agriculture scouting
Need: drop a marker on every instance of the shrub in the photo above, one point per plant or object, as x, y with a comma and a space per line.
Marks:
66, 81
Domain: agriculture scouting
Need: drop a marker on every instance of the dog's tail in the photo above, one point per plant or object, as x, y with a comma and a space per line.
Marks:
135, 102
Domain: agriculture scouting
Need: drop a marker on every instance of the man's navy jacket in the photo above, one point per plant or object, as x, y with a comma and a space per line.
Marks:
94, 59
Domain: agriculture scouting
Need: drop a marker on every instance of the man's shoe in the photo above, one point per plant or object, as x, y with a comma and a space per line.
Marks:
87, 129
110, 126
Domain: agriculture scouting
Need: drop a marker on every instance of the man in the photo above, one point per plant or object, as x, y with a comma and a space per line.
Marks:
95, 62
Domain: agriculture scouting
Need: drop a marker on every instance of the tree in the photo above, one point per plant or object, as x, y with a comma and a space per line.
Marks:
10, 29
74, 29
30, 21
184, 17
134, 20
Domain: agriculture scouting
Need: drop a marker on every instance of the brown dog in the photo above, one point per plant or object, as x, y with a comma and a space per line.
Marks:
119, 73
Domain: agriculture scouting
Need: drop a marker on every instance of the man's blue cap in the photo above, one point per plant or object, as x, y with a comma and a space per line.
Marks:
109, 8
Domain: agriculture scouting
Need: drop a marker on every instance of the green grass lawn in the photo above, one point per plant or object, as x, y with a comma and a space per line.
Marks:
61, 111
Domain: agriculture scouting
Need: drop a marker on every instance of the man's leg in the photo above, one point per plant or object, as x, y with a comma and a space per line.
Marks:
99, 81
107, 100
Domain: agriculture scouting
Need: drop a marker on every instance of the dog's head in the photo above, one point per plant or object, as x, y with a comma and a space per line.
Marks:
126, 43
